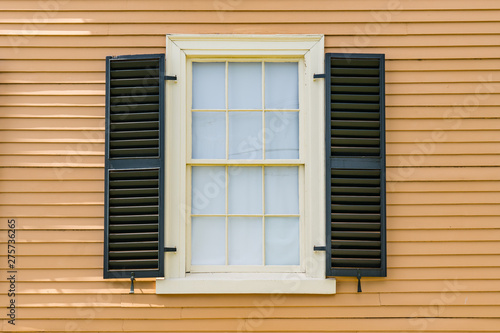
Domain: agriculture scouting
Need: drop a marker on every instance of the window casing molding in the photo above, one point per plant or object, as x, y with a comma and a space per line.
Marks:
182, 48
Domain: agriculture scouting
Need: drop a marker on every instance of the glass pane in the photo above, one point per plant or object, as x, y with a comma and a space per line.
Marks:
209, 85
209, 135
245, 241
208, 190
282, 241
282, 135
282, 190
245, 190
245, 85
245, 135
208, 241
282, 85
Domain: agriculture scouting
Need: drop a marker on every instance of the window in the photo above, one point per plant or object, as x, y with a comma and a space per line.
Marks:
244, 166
217, 168
249, 117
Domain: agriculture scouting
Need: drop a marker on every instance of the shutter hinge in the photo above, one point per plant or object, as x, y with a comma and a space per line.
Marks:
170, 77
170, 249
319, 248
359, 281
132, 278
319, 76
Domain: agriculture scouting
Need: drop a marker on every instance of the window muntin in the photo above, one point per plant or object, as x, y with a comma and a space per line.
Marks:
245, 168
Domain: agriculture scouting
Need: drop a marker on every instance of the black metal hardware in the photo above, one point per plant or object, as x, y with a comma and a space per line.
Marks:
359, 281
170, 77
132, 278
319, 76
170, 249
319, 248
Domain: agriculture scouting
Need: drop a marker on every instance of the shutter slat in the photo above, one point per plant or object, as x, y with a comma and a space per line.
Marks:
355, 190
355, 106
356, 253
339, 225
139, 143
134, 117
355, 198
130, 246
355, 133
144, 107
350, 89
355, 115
133, 254
135, 88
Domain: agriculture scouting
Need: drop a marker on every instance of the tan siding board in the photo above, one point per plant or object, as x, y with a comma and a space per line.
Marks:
267, 17
290, 325
333, 28
261, 5
31, 186
388, 286
146, 41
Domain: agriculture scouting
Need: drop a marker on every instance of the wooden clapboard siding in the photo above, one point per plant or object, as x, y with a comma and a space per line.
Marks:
443, 95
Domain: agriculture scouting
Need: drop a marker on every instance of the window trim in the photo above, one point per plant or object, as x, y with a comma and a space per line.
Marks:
179, 49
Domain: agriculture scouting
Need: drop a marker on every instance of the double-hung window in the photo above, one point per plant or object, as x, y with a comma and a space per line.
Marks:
245, 174
244, 166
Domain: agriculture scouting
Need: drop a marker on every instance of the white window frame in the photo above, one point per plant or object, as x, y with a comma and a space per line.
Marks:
311, 279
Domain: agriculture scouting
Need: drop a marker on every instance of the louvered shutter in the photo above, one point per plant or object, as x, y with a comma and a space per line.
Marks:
134, 176
355, 179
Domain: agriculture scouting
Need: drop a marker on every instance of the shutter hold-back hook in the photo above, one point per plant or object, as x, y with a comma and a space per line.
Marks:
132, 278
359, 281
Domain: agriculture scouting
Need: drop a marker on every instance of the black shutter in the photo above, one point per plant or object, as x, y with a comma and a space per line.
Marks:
134, 176
355, 164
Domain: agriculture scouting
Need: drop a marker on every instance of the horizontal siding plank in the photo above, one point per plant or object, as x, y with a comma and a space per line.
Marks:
22, 35
54, 135
46, 148
440, 198
440, 135
361, 5
443, 161
426, 148
422, 52
49, 173
41, 199
480, 235
448, 114
435, 124
59, 223
345, 287
268, 325
440, 248
324, 16
446, 186
199, 301
67, 211
444, 210
55, 161
47, 186
470, 261
347, 41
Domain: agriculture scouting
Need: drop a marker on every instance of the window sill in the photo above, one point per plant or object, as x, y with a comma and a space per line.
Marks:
244, 283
